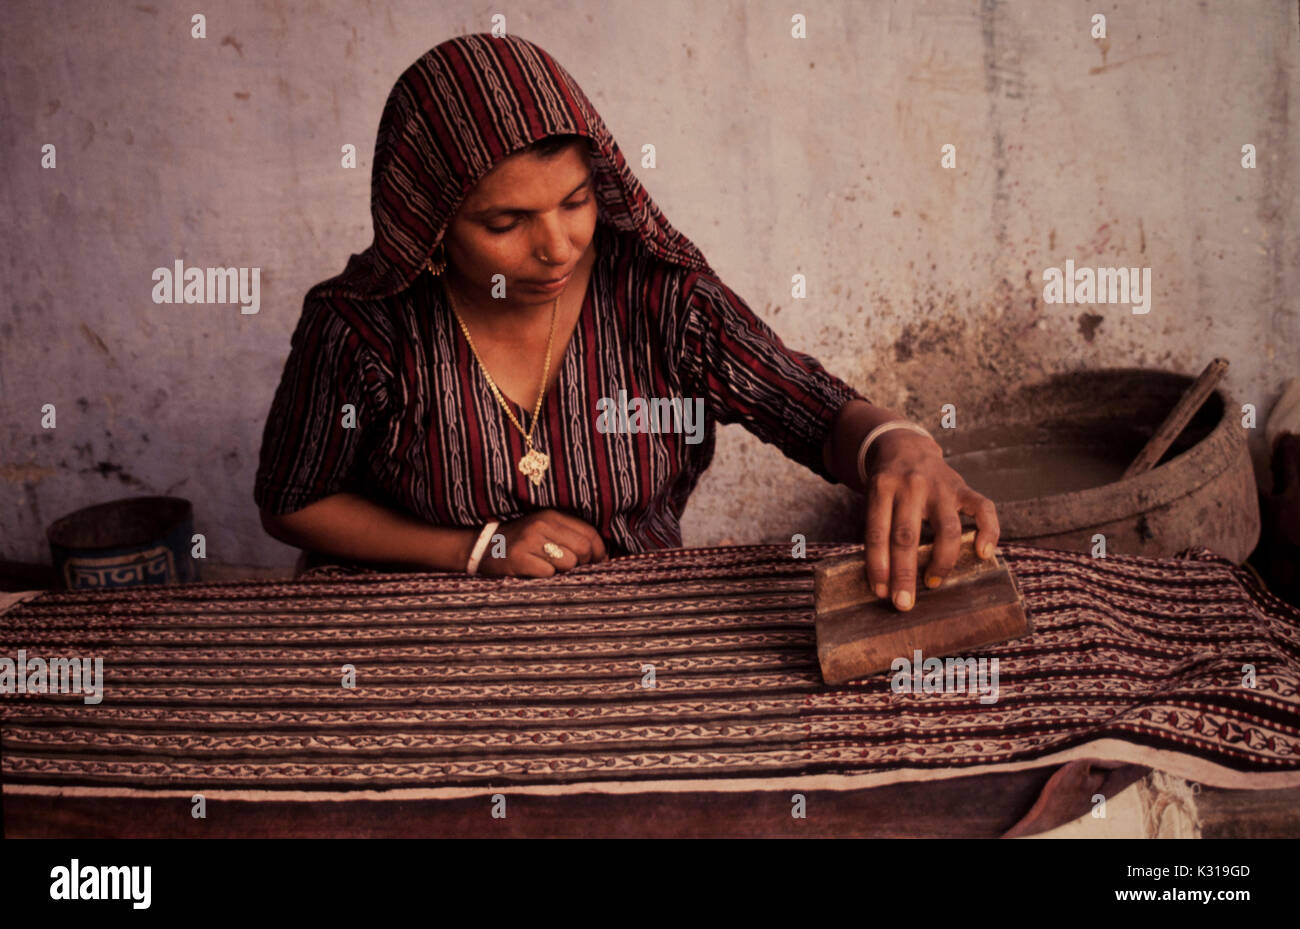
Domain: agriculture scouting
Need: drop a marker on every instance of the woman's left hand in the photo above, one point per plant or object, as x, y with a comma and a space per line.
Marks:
907, 481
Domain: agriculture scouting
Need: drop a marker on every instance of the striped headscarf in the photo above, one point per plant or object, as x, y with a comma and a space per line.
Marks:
452, 116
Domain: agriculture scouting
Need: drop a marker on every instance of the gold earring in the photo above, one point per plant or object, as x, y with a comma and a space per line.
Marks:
436, 263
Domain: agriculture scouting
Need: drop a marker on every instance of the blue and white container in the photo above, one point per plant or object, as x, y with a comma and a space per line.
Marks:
125, 543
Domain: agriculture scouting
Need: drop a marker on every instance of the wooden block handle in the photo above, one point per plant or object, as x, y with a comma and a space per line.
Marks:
842, 581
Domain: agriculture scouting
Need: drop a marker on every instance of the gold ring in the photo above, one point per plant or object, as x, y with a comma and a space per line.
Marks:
552, 550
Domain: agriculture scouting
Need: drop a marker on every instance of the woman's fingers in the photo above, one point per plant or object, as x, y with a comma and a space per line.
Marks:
571, 540
535, 564
880, 518
910, 483
987, 530
535, 559
566, 562
529, 536
945, 520
543, 535
592, 543
904, 536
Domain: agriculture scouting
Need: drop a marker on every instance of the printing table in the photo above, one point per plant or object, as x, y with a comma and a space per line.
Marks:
671, 693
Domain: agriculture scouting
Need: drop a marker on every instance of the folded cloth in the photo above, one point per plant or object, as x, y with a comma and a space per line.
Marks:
689, 671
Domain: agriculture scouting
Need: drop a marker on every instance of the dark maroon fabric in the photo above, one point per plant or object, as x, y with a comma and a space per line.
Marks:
979, 806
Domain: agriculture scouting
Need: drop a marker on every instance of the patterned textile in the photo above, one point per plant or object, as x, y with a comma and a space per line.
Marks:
467, 686
430, 438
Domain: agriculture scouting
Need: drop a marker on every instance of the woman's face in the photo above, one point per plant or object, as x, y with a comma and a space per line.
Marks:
531, 219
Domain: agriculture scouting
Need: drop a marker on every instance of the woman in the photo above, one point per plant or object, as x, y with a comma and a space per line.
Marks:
446, 389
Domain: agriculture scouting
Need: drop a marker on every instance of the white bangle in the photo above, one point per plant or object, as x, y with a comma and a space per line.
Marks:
875, 434
480, 546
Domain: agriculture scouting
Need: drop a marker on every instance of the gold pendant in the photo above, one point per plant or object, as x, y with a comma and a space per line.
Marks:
533, 465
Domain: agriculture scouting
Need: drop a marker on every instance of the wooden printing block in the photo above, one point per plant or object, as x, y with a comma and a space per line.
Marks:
860, 634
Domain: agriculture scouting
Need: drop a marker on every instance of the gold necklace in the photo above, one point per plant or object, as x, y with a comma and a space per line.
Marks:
534, 463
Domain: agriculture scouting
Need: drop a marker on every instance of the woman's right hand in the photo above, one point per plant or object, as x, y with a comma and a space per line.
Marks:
527, 537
